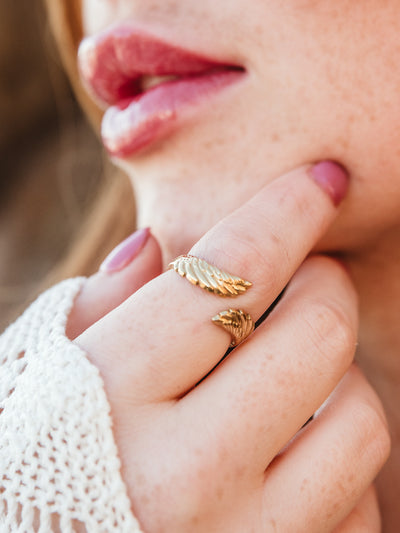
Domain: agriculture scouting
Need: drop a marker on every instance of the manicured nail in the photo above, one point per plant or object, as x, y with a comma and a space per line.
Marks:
332, 178
125, 252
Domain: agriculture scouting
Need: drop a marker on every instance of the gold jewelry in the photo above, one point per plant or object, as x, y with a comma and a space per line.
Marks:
237, 323
209, 277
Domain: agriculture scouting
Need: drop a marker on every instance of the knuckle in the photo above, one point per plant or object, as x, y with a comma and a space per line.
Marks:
364, 524
298, 205
373, 432
331, 330
364, 527
242, 254
358, 523
183, 482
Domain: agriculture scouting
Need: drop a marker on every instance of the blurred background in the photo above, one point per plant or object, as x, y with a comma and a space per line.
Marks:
51, 163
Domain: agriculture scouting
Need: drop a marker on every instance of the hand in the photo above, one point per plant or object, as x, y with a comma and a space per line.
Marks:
229, 454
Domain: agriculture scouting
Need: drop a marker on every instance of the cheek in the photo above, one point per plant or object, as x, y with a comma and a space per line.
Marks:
331, 84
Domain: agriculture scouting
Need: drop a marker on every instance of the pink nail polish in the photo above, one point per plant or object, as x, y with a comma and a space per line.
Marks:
125, 252
332, 178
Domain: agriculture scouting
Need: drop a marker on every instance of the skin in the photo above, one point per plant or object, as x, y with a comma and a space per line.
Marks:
322, 84
240, 465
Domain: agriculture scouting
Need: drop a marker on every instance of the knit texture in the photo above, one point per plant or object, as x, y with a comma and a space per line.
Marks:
59, 467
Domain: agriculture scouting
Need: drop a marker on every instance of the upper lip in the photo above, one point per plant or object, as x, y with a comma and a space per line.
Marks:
123, 62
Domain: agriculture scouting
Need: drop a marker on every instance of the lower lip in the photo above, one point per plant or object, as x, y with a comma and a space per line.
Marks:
140, 121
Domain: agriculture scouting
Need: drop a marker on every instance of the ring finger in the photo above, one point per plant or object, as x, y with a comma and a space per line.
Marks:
260, 396
328, 467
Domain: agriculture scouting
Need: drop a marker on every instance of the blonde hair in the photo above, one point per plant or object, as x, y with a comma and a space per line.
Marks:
112, 217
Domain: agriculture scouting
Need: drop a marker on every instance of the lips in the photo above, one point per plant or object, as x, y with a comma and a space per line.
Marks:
147, 86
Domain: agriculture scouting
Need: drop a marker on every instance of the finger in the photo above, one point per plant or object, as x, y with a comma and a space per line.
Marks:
173, 338
270, 386
327, 468
365, 517
133, 263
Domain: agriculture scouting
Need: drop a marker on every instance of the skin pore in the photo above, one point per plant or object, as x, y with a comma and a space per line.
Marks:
322, 83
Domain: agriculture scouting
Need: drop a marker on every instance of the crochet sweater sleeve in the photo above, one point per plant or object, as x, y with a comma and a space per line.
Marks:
59, 464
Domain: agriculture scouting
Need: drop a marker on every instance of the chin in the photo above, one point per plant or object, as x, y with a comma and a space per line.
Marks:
178, 229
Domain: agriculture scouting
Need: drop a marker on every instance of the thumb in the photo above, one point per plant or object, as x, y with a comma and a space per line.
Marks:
130, 265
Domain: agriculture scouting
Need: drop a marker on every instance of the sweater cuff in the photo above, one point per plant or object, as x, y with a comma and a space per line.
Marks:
58, 457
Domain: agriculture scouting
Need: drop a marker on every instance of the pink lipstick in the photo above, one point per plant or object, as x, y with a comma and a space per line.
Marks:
147, 85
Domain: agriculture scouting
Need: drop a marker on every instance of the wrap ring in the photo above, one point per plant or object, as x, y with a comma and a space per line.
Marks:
209, 277
237, 323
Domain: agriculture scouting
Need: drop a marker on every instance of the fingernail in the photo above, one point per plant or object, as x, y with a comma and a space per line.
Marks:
125, 252
333, 178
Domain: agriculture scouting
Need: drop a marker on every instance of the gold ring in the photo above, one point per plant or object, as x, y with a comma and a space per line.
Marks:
237, 323
209, 277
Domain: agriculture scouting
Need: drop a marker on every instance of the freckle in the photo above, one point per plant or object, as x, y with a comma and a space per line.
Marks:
274, 238
158, 487
304, 485
240, 471
140, 479
275, 137
145, 500
228, 477
281, 381
284, 416
220, 493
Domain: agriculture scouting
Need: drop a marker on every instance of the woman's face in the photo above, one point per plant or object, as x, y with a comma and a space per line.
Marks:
322, 80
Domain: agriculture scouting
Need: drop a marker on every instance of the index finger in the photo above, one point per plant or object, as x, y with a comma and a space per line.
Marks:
161, 341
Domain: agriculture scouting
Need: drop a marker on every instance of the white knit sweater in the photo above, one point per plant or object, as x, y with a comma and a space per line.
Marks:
59, 464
